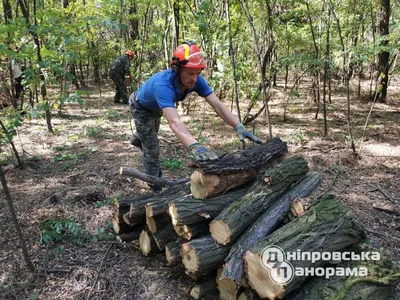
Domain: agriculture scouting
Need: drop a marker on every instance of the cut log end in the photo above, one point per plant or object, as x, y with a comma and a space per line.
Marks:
173, 213
149, 210
171, 258
220, 232
189, 258
151, 224
228, 288
145, 242
202, 186
195, 292
259, 277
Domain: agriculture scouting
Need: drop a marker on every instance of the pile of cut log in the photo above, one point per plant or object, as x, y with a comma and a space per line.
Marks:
231, 210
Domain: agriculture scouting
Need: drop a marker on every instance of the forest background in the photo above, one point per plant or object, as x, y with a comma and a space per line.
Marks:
323, 75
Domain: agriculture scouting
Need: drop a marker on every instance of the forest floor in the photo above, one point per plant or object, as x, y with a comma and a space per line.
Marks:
70, 176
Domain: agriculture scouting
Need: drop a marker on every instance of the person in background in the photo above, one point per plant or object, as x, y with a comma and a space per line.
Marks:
158, 95
17, 73
120, 69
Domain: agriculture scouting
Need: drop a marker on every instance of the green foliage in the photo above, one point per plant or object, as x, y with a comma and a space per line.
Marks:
112, 114
56, 230
11, 120
94, 132
172, 163
300, 137
64, 154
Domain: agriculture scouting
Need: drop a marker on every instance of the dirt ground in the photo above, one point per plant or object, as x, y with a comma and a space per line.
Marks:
70, 174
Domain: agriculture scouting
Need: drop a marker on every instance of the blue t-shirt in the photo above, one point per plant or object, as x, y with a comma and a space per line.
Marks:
162, 90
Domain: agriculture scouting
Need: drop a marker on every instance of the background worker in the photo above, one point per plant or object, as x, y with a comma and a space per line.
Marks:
158, 95
120, 68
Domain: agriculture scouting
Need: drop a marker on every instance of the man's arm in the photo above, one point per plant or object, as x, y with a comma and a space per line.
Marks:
222, 110
177, 126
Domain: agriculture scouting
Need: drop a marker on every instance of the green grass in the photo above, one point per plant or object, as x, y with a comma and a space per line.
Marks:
172, 164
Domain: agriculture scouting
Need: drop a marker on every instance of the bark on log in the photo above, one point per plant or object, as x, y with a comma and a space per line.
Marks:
148, 246
149, 178
203, 255
228, 289
250, 159
138, 205
118, 213
204, 289
120, 228
264, 225
159, 205
164, 235
380, 283
326, 227
173, 252
129, 236
158, 222
189, 211
233, 220
205, 186
196, 230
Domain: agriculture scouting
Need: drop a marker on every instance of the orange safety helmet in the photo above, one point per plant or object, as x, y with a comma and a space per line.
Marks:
130, 53
188, 55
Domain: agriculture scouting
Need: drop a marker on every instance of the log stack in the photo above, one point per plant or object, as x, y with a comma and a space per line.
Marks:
231, 211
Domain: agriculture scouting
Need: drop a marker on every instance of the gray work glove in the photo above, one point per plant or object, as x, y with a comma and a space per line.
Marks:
243, 133
201, 153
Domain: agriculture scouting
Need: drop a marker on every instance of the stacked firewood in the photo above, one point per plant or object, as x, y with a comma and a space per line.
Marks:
230, 211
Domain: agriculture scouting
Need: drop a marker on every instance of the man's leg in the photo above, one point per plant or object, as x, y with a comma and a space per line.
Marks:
119, 82
147, 126
124, 91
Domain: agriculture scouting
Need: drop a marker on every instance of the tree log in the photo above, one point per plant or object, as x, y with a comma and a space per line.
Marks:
202, 255
120, 228
158, 222
205, 186
228, 289
189, 210
195, 230
129, 236
250, 159
159, 205
164, 235
380, 283
264, 225
204, 289
148, 246
149, 178
118, 213
250, 294
233, 220
326, 227
173, 252
138, 205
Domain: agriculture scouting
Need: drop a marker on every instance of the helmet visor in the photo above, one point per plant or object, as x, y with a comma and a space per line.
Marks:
196, 59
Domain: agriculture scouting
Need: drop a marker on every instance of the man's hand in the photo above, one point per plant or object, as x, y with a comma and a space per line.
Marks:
243, 133
201, 153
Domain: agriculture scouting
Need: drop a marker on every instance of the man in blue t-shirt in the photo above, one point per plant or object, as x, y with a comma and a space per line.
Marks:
158, 95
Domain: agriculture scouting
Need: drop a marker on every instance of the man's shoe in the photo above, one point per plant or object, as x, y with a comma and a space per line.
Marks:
135, 141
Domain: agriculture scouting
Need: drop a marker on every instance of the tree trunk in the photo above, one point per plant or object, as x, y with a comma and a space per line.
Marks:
381, 92
326, 227
205, 186
254, 158
203, 255
190, 211
264, 225
233, 220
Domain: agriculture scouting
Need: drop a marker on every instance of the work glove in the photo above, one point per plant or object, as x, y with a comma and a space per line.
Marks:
243, 133
201, 153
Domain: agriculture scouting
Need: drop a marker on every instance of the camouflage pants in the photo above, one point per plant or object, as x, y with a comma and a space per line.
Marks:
121, 92
147, 125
